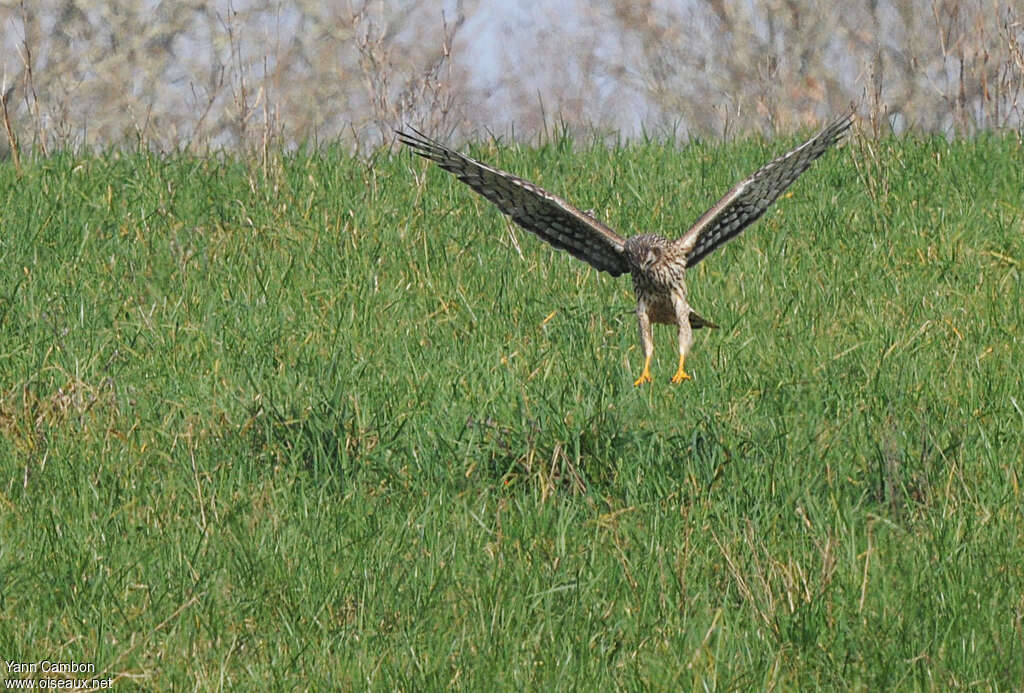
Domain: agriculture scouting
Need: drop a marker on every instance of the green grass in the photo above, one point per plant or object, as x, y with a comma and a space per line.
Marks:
321, 424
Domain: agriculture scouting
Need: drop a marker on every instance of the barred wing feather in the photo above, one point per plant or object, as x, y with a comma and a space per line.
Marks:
536, 210
748, 200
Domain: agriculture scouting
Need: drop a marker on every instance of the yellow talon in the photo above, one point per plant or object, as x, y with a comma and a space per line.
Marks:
645, 377
681, 373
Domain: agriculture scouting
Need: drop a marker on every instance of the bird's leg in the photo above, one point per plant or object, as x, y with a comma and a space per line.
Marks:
682, 311
645, 340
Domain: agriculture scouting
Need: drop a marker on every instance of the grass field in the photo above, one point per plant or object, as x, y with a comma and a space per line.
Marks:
320, 422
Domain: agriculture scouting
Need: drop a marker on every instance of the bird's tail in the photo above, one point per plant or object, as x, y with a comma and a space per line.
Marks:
697, 322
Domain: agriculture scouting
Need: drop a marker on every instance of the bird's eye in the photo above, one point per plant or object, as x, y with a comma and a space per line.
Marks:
652, 257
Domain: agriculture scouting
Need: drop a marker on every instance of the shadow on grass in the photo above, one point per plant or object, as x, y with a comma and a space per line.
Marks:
332, 439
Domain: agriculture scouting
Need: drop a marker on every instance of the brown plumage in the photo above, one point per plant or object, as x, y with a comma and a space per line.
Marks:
658, 265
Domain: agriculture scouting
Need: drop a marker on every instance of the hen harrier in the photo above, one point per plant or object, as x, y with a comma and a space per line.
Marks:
658, 265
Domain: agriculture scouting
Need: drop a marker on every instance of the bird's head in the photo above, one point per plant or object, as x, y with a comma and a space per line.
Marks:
645, 251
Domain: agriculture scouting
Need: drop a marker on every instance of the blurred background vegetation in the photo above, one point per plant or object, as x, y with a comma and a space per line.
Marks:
251, 74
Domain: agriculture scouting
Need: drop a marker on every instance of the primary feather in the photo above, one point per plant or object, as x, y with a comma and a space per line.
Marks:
530, 206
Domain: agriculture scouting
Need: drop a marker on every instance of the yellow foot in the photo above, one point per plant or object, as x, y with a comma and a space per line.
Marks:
681, 374
645, 377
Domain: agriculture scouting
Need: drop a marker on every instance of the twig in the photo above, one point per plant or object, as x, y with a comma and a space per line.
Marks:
12, 139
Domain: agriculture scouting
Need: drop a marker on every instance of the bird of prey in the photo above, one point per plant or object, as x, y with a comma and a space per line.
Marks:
657, 264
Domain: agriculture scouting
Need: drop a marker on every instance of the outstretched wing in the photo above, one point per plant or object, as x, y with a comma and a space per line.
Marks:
530, 206
748, 200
